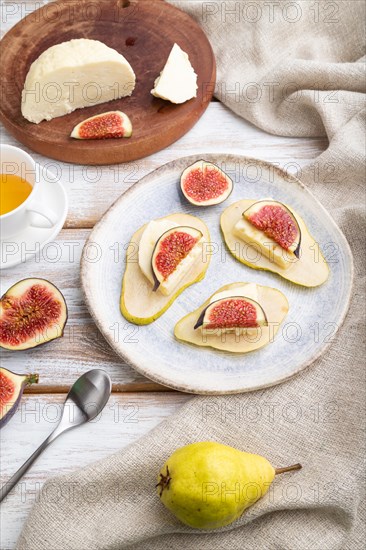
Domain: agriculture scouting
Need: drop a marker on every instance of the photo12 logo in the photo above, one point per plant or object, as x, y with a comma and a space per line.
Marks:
269, 11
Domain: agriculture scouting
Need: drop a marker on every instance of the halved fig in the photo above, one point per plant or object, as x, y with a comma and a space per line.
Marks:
113, 124
265, 316
252, 247
174, 254
205, 184
139, 304
230, 314
11, 389
277, 222
32, 312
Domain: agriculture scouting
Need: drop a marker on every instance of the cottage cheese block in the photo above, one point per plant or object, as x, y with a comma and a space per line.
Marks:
177, 81
74, 74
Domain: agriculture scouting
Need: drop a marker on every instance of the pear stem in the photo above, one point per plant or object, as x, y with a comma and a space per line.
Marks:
287, 469
31, 379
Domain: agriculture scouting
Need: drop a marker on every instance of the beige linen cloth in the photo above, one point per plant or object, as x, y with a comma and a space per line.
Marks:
304, 59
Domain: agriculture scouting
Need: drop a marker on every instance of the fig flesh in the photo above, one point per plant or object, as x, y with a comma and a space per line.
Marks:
150, 236
232, 314
277, 222
252, 247
173, 253
113, 124
11, 389
32, 312
271, 310
139, 304
205, 184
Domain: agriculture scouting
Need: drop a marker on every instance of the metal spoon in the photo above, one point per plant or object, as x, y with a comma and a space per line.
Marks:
85, 400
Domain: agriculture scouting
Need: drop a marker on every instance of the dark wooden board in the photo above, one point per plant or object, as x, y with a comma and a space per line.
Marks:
144, 31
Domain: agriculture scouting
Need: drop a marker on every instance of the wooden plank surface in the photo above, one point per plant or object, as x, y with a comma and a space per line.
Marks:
91, 191
82, 347
125, 418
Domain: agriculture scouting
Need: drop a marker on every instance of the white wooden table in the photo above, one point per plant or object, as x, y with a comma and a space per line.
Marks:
137, 404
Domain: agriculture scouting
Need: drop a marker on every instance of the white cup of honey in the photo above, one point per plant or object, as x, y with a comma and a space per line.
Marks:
20, 194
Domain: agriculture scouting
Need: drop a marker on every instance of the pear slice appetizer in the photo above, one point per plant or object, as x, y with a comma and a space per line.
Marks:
143, 298
269, 304
302, 264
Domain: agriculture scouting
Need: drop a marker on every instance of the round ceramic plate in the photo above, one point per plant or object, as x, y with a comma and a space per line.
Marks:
314, 316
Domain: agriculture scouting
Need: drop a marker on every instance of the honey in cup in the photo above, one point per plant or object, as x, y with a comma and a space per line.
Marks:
14, 190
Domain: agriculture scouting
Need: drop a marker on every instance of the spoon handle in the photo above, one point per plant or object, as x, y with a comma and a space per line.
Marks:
7, 487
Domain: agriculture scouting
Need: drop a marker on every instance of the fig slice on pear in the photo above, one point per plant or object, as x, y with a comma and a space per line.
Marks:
113, 124
171, 253
276, 221
248, 316
11, 389
205, 184
232, 314
32, 312
301, 262
140, 304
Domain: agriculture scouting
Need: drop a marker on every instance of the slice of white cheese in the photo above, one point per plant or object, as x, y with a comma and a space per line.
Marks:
177, 81
263, 244
248, 290
74, 74
153, 231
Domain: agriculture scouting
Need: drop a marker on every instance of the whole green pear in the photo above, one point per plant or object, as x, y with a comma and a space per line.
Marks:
208, 485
